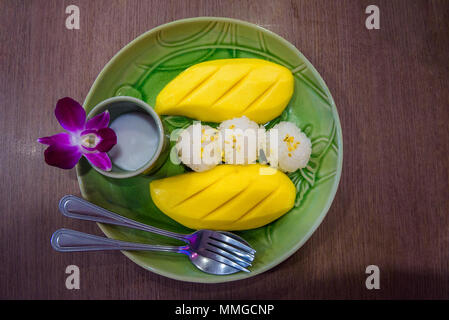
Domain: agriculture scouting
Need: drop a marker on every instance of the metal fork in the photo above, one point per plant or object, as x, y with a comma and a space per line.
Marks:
216, 252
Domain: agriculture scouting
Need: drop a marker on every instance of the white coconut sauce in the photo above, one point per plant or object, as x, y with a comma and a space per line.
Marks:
137, 140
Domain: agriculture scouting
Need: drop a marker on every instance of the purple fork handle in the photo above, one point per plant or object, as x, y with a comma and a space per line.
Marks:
74, 207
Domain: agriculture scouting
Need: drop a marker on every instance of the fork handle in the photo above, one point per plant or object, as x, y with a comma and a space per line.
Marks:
66, 240
74, 207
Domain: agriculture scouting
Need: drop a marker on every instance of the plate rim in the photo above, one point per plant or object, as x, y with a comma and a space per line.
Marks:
339, 135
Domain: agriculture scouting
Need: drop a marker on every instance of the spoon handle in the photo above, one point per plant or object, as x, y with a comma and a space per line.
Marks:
66, 240
74, 207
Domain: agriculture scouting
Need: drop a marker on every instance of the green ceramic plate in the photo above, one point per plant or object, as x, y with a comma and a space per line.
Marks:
145, 66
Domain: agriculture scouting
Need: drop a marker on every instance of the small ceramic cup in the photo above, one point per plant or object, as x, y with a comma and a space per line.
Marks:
120, 105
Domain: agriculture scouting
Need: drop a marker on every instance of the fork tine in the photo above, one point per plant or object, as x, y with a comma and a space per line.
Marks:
233, 240
230, 256
237, 252
221, 259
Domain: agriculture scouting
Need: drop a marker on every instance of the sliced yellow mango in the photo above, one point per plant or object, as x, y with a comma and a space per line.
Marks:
219, 90
228, 197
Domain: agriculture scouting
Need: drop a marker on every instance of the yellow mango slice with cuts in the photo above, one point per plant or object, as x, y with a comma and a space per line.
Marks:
219, 90
228, 197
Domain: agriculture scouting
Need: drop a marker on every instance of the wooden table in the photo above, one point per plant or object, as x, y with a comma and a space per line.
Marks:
391, 90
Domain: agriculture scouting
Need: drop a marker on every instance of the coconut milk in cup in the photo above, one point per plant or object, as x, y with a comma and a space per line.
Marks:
141, 142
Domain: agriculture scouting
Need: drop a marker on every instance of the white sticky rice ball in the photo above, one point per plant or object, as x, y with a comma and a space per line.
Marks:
239, 137
293, 147
199, 147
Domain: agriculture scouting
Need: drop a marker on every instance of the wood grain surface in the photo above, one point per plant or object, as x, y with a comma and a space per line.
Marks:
391, 90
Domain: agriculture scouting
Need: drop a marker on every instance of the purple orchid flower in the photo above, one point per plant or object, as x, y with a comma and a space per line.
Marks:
91, 139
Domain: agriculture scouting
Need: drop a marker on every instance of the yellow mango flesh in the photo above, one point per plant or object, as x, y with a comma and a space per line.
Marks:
228, 197
220, 90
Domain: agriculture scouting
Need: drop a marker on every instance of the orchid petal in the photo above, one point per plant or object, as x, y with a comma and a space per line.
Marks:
59, 138
70, 114
100, 160
108, 139
88, 131
62, 156
99, 121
